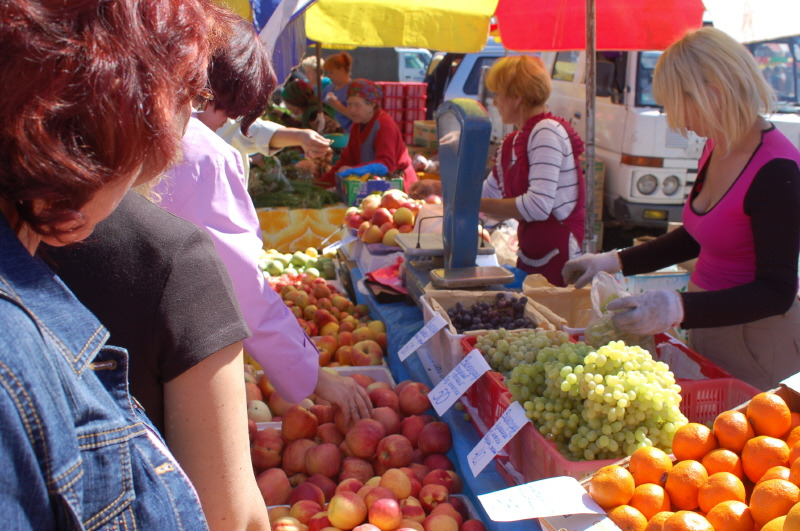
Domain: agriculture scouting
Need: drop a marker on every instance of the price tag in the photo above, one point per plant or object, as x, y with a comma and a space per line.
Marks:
458, 381
425, 333
497, 437
335, 245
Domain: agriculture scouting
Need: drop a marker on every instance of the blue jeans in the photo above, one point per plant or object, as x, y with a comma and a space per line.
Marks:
75, 452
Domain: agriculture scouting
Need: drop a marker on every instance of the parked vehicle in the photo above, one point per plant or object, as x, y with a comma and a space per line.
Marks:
385, 64
779, 60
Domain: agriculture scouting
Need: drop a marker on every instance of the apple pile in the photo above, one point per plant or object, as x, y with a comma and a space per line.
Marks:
343, 332
275, 264
388, 472
381, 216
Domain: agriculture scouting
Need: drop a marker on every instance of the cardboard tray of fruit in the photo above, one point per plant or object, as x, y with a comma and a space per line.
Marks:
445, 345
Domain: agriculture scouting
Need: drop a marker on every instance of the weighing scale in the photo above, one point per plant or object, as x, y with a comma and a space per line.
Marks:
448, 260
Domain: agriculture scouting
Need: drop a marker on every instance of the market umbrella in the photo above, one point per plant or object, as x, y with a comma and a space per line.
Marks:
524, 25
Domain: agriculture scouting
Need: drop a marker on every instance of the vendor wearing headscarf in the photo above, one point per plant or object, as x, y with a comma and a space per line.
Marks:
374, 136
301, 101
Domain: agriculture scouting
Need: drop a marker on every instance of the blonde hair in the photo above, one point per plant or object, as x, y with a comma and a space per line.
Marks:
720, 76
310, 62
520, 75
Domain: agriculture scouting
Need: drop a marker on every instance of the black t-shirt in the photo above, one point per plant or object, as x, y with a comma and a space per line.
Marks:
157, 283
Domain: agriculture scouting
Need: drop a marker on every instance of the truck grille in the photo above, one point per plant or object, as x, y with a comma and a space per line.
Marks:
676, 140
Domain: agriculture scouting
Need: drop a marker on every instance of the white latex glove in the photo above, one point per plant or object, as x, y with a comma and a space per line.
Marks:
651, 312
581, 270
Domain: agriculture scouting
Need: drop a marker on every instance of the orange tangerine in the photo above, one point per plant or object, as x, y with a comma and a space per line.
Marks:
769, 415
684, 482
656, 523
794, 472
773, 498
731, 515
720, 487
723, 460
650, 499
692, 441
762, 453
649, 464
794, 452
776, 472
793, 517
776, 524
610, 486
687, 521
627, 518
732, 430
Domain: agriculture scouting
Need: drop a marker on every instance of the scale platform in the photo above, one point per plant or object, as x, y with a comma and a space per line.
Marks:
470, 277
431, 244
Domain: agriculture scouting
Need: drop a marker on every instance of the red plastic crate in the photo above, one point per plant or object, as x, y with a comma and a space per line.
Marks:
533, 457
415, 89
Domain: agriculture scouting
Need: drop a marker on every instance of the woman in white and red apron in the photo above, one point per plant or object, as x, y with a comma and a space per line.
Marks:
537, 178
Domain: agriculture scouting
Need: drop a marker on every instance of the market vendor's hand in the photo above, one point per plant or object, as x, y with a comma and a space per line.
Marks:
580, 271
345, 394
651, 312
314, 145
425, 187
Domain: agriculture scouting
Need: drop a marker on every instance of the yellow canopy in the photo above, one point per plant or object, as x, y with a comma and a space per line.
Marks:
240, 7
453, 25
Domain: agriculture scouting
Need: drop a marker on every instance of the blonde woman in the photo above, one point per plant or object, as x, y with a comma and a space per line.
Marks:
741, 220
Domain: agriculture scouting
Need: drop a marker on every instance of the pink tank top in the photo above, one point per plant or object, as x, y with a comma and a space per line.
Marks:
727, 256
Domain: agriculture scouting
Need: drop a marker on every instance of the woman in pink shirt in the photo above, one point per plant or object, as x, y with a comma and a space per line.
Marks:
741, 220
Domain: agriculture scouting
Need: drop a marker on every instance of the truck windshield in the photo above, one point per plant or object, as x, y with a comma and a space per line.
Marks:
778, 62
644, 79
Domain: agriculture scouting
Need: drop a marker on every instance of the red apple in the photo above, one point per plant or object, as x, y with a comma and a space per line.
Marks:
414, 399
344, 355
433, 199
368, 527
329, 433
355, 221
446, 478
420, 471
357, 468
253, 392
369, 204
373, 494
447, 508
431, 495
397, 481
319, 522
393, 198
274, 486
435, 438
440, 522
384, 397
277, 404
460, 506
434, 461
267, 448
294, 456
327, 342
344, 337
288, 523
386, 514
411, 426
298, 423
252, 429
362, 332
363, 437
324, 459
362, 229
394, 451
309, 492
412, 509
352, 484
473, 525
326, 484
381, 216
388, 417
323, 412
367, 352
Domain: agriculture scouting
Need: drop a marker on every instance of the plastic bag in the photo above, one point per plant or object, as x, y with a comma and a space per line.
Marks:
601, 328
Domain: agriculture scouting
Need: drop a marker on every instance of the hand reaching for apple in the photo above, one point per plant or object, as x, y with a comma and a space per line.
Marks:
344, 393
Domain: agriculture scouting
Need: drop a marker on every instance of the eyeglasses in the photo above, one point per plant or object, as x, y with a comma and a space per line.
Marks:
202, 98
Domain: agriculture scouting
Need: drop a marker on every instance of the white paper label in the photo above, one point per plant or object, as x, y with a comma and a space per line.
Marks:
335, 245
425, 333
498, 436
793, 382
547, 497
458, 381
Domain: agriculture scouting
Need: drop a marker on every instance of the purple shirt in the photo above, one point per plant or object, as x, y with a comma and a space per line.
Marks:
208, 188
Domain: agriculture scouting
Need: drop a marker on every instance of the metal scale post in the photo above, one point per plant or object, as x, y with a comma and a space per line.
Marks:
464, 130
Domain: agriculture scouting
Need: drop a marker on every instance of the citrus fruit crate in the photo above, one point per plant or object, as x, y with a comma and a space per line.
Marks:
529, 456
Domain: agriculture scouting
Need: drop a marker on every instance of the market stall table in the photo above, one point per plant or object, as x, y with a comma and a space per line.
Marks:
403, 321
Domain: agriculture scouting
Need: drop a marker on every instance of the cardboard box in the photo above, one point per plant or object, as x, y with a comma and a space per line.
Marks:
425, 133
353, 191
578, 522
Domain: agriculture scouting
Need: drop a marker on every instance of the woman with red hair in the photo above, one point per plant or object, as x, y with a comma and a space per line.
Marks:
96, 96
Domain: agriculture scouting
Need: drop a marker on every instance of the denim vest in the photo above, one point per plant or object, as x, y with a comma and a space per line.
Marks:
75, 452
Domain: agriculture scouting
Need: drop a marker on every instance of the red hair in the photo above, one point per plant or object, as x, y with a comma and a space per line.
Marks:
340, 60
91, 93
